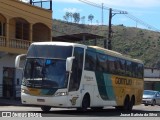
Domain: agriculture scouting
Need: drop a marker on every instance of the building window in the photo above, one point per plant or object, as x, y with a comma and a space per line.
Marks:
2, 29
22, 30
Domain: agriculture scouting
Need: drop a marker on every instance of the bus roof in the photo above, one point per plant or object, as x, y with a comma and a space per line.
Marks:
115, 54
60, 44
99, 49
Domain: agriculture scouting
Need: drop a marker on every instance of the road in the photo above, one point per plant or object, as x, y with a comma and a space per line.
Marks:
138, 111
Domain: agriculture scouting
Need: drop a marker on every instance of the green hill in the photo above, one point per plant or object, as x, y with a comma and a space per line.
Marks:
137, 43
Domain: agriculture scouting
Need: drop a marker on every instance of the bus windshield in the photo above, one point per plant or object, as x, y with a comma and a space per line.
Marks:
46, 66
45, 73
49, 51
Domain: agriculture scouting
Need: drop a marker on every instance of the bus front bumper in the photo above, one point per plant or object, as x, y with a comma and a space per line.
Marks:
55, 101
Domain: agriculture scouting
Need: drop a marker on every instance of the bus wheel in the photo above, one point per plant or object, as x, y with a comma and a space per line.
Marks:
85, 103
45, 108
131, 103
126, 103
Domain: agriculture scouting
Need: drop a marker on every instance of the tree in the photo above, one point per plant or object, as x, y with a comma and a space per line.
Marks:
90, 18
71, 16
83, 19
66, 17
76, 17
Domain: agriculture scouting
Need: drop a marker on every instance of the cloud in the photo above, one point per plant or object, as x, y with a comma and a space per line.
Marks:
72, 10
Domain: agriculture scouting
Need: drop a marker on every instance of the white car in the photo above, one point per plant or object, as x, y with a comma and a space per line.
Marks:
151, 97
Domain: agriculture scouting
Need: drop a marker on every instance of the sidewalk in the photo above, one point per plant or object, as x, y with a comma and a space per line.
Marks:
10, 102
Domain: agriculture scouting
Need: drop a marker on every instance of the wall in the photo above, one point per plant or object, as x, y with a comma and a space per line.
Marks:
151, 72
152, 79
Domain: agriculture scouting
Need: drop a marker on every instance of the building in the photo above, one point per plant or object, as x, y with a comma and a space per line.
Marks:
21, 24
152, 79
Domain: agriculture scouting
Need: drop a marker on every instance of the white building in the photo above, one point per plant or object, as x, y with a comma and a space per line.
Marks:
152, 79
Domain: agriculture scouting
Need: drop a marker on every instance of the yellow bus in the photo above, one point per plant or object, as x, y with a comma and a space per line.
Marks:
71, 75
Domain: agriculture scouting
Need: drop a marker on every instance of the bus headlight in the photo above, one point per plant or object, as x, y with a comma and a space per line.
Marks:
61, 94
25, 91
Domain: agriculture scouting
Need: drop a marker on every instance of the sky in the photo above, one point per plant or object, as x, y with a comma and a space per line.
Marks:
147, 11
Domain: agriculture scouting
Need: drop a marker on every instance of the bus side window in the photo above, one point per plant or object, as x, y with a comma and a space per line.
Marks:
90, 61
77, 67
122, 67
111, 64
129, 69
101, 63
141, 71
135, 69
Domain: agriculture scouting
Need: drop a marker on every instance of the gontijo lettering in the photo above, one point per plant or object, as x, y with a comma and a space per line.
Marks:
123, 81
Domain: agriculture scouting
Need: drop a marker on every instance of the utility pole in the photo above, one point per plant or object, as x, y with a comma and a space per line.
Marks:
102, 13
30, 2
108, 42
110, 29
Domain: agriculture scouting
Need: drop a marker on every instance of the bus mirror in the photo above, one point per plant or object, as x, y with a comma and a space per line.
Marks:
69, 62
17, 61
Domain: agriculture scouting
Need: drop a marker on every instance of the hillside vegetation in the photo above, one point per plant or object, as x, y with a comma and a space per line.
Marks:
138, 43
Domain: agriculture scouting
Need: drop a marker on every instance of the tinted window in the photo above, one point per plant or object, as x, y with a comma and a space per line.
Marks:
101, 62
50, 51
77, 67
129, 69
45, 73
122, 64
111, 64
90, 61
140, 71
135, 69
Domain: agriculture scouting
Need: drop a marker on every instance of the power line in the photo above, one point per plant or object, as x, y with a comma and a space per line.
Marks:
91, 3
141, 22
121, 11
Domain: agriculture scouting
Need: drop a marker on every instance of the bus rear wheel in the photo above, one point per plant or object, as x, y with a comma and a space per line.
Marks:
131, 103
45, 108
126, 103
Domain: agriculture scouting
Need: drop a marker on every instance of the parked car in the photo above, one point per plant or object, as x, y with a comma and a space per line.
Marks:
151, 97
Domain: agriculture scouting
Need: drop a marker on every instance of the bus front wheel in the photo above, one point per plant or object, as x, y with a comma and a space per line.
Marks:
45, 108
85, 103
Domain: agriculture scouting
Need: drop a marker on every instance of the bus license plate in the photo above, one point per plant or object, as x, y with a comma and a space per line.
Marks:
40, 100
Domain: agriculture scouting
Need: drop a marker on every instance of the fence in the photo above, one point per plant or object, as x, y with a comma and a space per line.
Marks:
14, 43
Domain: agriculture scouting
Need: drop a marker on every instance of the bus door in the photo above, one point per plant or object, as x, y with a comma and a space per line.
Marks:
74, 94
